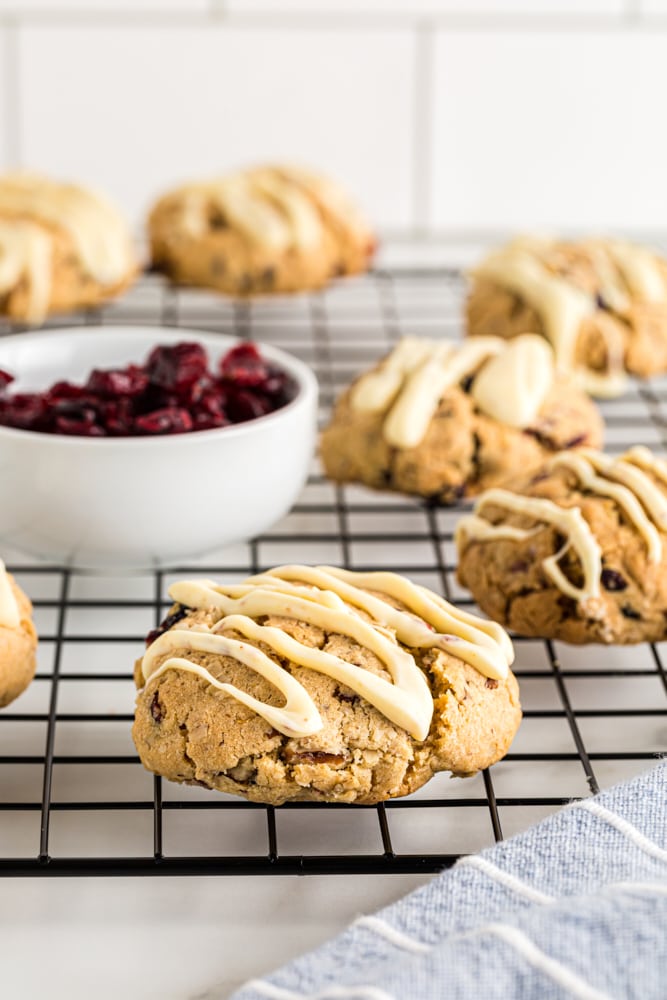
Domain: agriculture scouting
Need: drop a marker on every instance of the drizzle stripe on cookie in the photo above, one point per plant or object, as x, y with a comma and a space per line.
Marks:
569, 520
561, 306
623, 480
328, 598
9, 609
522, 267
26, 255
273, 207
641, 502
97, 231
514, 379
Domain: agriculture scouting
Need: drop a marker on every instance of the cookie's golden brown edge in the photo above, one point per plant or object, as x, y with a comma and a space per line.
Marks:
17, 650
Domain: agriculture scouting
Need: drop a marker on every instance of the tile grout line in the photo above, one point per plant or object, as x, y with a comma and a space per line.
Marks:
332, 19
11, 101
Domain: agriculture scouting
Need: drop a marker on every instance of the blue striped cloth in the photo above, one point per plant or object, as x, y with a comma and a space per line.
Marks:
574, 907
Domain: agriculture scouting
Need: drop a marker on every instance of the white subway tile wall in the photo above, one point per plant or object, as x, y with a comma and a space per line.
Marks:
544, 129
443, 116
138, 110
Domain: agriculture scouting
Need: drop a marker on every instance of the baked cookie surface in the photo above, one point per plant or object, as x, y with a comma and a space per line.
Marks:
443, 420
62, 247
265, 230
578, 552
601, 303
18, 639
318, 684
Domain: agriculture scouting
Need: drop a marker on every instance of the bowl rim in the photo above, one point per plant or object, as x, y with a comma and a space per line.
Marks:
304, 376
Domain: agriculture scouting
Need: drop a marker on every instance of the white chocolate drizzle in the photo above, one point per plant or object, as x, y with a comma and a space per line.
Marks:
640, 270
26, 255
562, 307
331, 197
273, 207
569, 520
621, 267
30, 208
624, 480
9, 610
644, 505
513, 385
335, 601
645, 459
513, 380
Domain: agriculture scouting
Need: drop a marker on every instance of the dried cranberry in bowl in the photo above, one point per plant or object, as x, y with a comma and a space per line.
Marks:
174, 392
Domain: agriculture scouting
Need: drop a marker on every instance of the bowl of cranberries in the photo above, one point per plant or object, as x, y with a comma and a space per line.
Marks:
144, 446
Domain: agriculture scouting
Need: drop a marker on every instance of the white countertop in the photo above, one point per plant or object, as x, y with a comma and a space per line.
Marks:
172, 938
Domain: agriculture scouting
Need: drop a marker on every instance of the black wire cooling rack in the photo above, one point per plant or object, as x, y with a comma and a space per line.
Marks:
74, 799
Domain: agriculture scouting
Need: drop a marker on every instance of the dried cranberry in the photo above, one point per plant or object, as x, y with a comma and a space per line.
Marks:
244, 366
116, 416
156, 709
81, 428
166, 421
209, 422
177, 367
25, 410
74, 417
612, 580
276, 382
64, 390
131, 381
180, 611
173, 393
244, 405
212, 403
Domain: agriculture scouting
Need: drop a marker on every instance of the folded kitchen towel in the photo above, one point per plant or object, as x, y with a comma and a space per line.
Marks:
574, 907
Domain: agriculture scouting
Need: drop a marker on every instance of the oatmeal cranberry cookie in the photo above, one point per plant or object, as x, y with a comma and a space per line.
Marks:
268, 229
577, 552
62, 247
18, 639
319, 684
602, 304
443, 420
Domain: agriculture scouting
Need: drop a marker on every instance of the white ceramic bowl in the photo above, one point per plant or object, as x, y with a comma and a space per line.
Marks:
147, 501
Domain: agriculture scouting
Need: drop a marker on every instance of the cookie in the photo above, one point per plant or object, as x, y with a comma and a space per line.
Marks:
18, 639
443, 421
266, 230
319, 684
577, 552
62, 248
602, 304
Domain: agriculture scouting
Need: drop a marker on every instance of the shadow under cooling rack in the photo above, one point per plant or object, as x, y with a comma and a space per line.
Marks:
74, 798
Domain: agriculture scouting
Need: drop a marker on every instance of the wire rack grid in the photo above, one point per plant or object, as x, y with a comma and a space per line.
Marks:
74, 798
